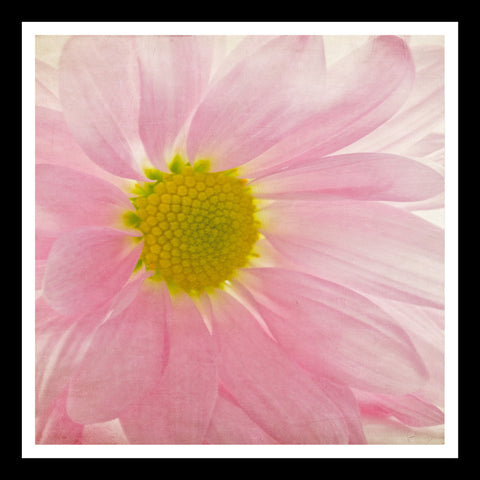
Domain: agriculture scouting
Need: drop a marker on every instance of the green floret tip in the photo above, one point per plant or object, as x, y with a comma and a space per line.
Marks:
138, 190
153, 174
131, 219
138, 265
233, 172
201, 166
177, 164
148, 188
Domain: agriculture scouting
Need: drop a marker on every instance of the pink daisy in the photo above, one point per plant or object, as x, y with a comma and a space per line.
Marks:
227, 250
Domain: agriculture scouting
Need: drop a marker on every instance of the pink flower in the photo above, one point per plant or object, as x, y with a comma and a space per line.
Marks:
219, 258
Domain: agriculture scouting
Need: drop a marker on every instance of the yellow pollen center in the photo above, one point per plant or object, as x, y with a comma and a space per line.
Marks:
198, 228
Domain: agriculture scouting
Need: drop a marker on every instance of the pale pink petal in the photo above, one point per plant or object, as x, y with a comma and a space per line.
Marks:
105, 433
429, 150
60, 344
334, 332
425, 327
43, 243
100, 96
431, 145
66, 199
409, 409
436, 203
54, 144
283, 399
422, 113
313, 66
343, 395
87, 267
59, 429
174, 73
389, 431
369, 247
129, 292
178, 410
244, 47
408, 128
250, 108
231, 425
124, 360
53, 140
46, 86
359, 176
48, 332
40, 266
362, 91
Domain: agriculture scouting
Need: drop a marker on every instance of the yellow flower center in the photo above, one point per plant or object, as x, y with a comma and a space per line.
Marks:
198, 227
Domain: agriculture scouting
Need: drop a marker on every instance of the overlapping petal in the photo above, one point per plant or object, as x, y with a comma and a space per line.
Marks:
178, 409
174, 74
250, 108
124, 360
46, 86
368, 246
409, 409
334, 332
59, 429
100, 97
361, 92
359, 176
390, 431
242, 48
87, 267
60, 346
104, 433
66, 199
425, 327
55, 145
284, 400
230, 425
420, 115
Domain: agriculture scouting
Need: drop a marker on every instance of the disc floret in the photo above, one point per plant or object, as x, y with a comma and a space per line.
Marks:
198, 227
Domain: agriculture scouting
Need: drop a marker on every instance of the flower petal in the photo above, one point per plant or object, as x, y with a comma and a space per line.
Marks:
174, 73
422, 113
95, 73
362, 91
46, 86
425, 328
60, 343
124, 359
366, 246
409, 409
179, 408
87, 267
242, 48
59, 429
334, 332
389, 431
250, 108
40, 266
54, 144
66, 199
360, 176
231, 425
279, 396
431, 148
105, 433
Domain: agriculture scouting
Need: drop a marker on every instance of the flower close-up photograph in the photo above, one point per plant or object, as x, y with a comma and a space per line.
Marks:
239, 240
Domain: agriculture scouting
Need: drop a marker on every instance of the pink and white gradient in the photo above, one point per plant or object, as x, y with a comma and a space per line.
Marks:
334, 335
